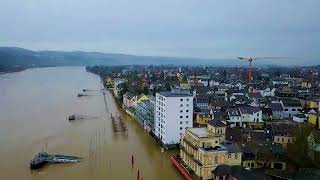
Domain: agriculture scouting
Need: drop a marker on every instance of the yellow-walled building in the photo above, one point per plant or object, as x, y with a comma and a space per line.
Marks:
314, 119
143, 97
203, 118
312, 103
203, 149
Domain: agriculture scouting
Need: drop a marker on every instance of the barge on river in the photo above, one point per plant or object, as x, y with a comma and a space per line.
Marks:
43, 158
77, 117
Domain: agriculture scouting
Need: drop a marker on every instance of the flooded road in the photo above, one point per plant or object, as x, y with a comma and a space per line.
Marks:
34, 106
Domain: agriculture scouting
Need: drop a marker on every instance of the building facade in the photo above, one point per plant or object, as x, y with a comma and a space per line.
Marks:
203, 149
173, 114
117, 86
128, 100
234, 117
202, 101
277, 110
202, 118
314, 120
290, 108
144, 113
250, 114
244, 115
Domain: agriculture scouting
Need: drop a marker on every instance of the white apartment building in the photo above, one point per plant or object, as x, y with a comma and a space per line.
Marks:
173, 114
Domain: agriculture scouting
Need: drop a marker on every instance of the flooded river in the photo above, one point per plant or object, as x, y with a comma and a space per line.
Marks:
34, 106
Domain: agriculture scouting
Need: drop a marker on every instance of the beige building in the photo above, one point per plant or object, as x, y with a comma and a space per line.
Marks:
203, 149
283, 139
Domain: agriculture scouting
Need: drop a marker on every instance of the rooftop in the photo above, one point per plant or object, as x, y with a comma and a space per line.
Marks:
249, 110
216, 148
233, 112
239, 173
200, 132
223, 147
216, 123
172, 94
291, 103
276, 107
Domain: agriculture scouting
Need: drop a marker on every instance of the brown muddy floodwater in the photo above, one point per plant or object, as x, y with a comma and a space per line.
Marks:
34, 106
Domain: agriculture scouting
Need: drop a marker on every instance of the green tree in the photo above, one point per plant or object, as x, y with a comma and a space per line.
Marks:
298, 151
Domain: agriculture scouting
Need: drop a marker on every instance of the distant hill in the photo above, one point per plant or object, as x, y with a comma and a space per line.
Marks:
14, 59
19, 57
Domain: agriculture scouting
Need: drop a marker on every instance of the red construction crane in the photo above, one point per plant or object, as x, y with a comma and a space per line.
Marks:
250, 59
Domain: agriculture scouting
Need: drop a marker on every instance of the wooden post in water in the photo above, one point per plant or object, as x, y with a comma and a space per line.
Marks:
132, 161
90, 148
110, 169
138, 176
99, 140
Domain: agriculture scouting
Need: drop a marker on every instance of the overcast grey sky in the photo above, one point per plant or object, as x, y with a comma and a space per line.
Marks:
188, 28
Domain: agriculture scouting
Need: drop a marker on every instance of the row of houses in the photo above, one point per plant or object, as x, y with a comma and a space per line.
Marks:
216, 129
141, 107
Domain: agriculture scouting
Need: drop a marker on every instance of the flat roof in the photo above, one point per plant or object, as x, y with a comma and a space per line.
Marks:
200, 132
175, 94
223, 147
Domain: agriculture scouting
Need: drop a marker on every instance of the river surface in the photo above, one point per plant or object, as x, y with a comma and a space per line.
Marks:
34, 106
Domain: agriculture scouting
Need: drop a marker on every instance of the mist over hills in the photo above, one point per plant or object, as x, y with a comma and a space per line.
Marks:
12, 58
16, 57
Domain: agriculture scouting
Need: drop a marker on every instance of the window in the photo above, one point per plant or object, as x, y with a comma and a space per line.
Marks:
186, 122
187, 110
229, 155
181, 105
181, 99
216, 159
187, 116
282, 139
293, 109
236, 156
180, 128
285, 109
181, 111
187, 105
180, 122
187, 99
180, 117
